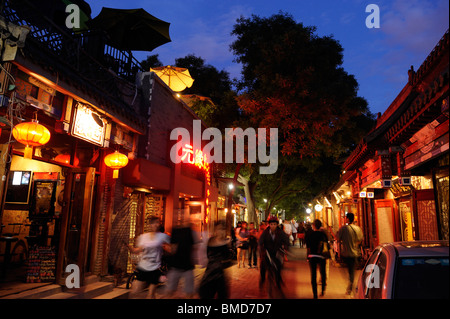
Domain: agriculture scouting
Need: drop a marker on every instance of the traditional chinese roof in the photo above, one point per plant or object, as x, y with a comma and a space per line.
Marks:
419, 103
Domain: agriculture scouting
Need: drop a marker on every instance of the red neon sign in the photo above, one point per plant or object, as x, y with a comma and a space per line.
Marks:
199, 159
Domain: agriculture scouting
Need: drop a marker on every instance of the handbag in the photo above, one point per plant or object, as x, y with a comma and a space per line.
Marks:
324, 249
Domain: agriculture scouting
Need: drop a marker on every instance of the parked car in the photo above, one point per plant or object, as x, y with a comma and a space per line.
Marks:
406, 270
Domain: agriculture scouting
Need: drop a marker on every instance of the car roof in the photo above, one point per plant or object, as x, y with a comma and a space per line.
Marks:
435, 248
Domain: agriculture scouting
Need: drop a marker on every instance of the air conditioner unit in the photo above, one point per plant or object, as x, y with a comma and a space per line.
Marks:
386, 183
405, 181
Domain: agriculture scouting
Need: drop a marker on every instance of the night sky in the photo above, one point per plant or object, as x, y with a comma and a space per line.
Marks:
379, 58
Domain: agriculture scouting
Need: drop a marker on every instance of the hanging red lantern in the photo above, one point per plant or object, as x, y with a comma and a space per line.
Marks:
31, 134
65, 158
116, 161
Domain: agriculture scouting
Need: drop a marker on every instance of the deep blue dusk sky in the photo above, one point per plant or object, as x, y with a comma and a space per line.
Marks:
378, 58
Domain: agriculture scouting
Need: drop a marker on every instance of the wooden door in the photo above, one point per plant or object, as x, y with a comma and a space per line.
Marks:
75, 222
384, 220
425, 211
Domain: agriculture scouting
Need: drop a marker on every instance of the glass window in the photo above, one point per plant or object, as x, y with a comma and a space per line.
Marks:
424, 278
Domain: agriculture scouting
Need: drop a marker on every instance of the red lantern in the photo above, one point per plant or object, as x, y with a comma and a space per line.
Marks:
65, 158
116, 161
31, 134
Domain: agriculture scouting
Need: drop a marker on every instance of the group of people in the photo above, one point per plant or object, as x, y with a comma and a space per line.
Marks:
349, 236
269, 244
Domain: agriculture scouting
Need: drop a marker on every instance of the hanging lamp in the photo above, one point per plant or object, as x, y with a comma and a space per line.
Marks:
116, 161
31, 134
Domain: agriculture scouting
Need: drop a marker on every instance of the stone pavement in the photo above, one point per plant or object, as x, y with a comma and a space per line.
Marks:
244, 282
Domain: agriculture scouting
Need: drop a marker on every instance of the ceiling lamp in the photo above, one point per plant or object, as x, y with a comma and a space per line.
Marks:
116, 161
31, 134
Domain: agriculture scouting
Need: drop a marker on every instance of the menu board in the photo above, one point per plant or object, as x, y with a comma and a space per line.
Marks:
41, 264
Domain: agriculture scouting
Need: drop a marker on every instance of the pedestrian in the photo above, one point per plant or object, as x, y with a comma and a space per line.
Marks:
287, 228
150, 246
301, 234
242, 236
252, 246
180, 260
330, 239
272, 242
350, 236
214, 281
314, 241
294, 226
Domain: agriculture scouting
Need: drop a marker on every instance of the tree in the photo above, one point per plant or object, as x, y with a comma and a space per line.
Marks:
293, 80
215, 85
152, 61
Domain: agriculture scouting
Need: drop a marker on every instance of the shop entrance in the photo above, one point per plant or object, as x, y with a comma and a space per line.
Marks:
76, 222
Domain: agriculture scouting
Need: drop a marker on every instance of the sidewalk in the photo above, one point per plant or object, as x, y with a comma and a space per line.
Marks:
244, 282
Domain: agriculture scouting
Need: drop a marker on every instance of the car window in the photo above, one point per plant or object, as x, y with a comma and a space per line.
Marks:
367, 272
424, 278
375, 291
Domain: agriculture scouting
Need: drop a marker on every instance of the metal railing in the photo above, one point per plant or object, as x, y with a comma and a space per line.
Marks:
82, 51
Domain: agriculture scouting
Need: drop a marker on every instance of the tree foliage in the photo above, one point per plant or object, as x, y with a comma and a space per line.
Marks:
293, 79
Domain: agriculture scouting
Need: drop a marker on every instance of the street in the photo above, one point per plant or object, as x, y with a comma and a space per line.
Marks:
244, 282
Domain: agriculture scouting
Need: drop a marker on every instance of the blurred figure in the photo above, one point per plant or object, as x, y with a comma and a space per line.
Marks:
272, 241
214, 281
242, 236
180, 260
287, 227
301, 234
150, 246
313, 241
253, 246
294, 226
351, 237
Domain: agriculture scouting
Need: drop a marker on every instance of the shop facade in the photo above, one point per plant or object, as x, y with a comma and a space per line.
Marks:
57, 200
396, 180
64, 206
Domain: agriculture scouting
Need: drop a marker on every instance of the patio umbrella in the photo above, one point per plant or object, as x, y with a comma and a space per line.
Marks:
176, 78
131, 30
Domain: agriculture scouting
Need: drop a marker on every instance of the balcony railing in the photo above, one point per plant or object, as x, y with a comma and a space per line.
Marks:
87, 52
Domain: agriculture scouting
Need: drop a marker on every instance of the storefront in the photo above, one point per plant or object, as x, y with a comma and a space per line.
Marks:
398, 174
53, 195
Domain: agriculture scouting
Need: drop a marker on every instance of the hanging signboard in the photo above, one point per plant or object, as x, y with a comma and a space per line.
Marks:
86, 127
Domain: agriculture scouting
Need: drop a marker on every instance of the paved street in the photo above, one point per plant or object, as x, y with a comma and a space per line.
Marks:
244, 282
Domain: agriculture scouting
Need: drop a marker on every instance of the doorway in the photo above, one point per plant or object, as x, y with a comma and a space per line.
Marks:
76, 222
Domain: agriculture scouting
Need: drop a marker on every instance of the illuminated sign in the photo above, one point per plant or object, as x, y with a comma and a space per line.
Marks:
86, 128
199, 159
362, 194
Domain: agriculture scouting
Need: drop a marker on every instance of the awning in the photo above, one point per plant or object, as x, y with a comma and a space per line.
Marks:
143, 173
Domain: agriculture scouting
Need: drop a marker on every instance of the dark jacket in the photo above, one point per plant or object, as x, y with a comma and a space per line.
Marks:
266, 242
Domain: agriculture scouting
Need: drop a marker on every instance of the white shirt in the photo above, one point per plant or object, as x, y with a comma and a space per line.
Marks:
152, 254
287, 228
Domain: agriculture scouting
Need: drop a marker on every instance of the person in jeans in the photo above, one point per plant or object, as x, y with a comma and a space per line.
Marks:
350, 236
313, 241
253, 246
